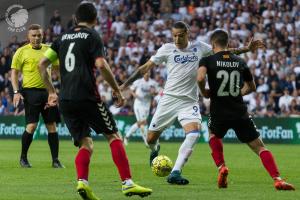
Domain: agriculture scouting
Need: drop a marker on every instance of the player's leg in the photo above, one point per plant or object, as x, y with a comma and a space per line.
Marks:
75, 119
132, 129
185, 151
120, 159
143, 124
32, 113
51, 116
269, 163
82, 162
247, 133
154, 146
26, 142
53, 142
189, 118
101, 120
216, 133
138, 115
164, 116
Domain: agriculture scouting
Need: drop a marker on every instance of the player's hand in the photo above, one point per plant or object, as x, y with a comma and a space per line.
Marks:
152, 91
122, 87
206, 93
52, 100
17, 99
119, 98
255, 44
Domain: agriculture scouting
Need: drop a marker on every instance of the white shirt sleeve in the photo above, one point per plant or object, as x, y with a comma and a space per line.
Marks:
206, 49
160, 56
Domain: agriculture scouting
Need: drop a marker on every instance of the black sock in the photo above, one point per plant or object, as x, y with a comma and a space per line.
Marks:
26, 141
54, 145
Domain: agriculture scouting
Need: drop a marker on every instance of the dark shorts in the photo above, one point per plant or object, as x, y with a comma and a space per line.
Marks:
35, 100
82, 116
244, 128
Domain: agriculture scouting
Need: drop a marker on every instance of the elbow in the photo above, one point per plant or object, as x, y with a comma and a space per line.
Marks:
200, 78
42, 65
253, 87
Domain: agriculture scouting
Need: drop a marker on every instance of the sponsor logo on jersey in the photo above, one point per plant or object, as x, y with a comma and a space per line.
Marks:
185, 59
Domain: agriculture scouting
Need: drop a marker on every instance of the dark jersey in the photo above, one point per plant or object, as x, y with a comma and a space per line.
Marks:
77, 51
226, 73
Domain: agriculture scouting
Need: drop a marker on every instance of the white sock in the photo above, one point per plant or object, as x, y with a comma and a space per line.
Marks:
132, 129
84, 181
144, 134
127, 182
186, 150
153, 147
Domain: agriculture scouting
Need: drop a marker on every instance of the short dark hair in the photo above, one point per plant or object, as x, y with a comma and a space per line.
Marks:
220, 38
181, 25
86, 12
34, 27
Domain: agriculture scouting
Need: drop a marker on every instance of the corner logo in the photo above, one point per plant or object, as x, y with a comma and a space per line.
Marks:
16, 17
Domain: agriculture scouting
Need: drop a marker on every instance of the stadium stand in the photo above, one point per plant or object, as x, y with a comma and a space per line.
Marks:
133, 30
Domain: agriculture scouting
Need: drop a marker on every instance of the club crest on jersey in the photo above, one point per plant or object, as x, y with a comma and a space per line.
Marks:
185, 59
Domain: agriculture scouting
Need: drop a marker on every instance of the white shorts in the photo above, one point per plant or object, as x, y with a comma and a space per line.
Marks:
169, 108
141, 111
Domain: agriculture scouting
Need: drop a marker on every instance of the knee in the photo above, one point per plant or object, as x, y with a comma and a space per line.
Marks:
152, 137
30, 128
115, 136
51, 127
88, 144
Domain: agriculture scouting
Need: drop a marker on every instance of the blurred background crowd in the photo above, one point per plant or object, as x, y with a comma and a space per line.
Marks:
132, 31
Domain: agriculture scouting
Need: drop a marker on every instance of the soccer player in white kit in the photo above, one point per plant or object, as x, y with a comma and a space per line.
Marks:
180, 96
143, 90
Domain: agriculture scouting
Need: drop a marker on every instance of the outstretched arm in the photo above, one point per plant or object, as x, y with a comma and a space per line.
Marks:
252, 46
138, 73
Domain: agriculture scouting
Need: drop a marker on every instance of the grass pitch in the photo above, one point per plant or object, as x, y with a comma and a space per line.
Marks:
247, 177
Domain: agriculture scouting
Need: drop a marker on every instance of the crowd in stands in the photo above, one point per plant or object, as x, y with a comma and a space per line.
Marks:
132, 31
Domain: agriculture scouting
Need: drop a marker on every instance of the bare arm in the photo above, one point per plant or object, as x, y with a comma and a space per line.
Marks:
248, 88
44, 63
138, 73
201, 77
15, 84
252, 46
52, 97
107, 74
15, 79
109, 77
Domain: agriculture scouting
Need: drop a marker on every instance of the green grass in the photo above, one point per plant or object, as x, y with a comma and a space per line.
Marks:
247, 178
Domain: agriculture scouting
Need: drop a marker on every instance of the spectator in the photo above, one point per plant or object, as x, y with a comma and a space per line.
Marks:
55, 18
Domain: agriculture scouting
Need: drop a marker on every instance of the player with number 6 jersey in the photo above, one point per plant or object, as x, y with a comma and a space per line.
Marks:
80, 52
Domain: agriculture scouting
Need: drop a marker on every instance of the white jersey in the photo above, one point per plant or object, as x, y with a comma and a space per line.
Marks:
182, 66
142, 91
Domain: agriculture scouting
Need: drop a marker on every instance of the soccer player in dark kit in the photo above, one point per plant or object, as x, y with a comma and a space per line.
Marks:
80, 52
229, 79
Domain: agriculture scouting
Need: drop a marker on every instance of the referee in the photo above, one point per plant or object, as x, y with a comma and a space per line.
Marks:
34, 94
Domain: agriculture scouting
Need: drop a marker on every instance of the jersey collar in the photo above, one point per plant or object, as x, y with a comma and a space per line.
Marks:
35, 48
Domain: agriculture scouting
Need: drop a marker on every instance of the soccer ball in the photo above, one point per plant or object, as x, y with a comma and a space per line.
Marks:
162, 166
